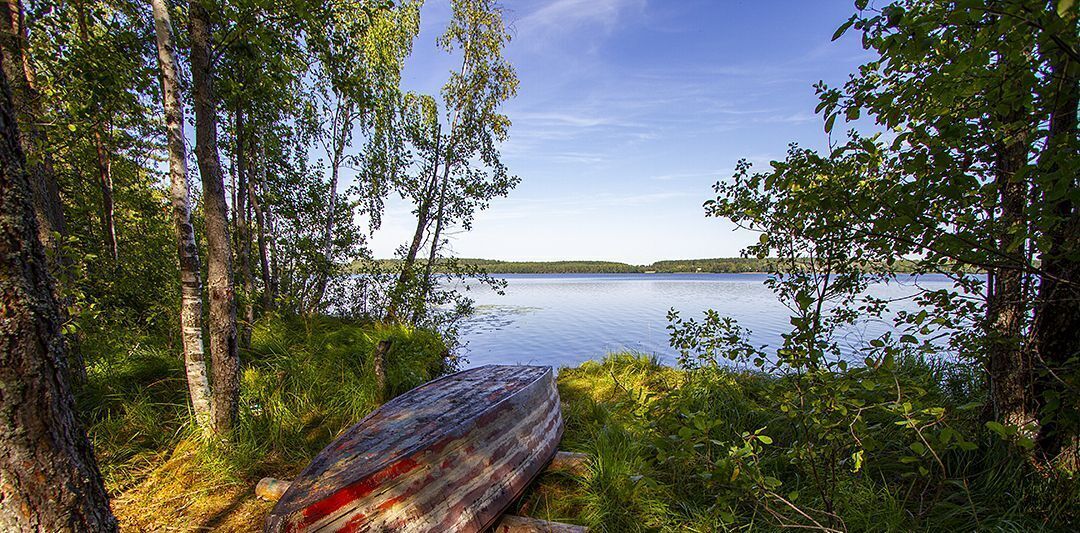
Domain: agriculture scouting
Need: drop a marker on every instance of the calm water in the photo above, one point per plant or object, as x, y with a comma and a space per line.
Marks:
565, 319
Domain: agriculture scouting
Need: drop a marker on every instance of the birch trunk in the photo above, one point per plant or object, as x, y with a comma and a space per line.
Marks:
50, 481
225, 360
186, 248
264, 263
337, 158
423, 219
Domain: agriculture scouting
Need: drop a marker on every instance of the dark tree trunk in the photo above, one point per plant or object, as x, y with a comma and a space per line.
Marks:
26, 100
1008, 363
50, 480
191, 334
44, 192
223, 348
379, 369
104, 168
1057, 313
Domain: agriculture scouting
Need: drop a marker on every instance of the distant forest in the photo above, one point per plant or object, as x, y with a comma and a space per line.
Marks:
725, 265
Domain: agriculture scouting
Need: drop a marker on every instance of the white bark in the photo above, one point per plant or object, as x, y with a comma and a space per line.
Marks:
187, 249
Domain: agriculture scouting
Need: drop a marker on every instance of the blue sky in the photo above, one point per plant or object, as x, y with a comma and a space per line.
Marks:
629, 110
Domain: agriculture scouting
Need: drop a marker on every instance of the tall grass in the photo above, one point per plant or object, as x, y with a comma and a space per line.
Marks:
303, 382
660, 440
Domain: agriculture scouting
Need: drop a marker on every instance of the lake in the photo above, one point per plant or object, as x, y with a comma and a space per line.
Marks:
565, 319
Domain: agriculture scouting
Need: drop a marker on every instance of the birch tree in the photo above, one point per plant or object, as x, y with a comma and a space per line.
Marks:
186, 248
459, 169
361, 47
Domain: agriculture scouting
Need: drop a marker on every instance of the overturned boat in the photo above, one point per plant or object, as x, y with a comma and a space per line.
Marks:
450, 455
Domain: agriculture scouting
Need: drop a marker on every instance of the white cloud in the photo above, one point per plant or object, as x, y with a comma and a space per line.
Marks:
565, 14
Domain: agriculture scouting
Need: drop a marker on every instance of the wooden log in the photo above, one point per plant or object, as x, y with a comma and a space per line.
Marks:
524, 524
570, 463
380, 369
271, 489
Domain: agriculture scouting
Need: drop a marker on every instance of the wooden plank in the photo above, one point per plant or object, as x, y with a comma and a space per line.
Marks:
570, 463
524, 524
271, 489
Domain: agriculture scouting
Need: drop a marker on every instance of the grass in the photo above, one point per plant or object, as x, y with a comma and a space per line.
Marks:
650, 471
662, 442
303, 382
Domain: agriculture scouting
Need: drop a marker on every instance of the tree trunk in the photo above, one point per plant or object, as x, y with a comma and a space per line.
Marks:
50, 480
243, 234
26, 100
338, 158
264, 261
104, 168
1008, 362
104, 164
223, 349
428, 283
275, 265
423, 219
44, 192
379, 367
187, 249
1057, 314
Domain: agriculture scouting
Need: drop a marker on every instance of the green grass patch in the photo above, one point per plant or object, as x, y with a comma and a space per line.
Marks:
712, 450
303, 382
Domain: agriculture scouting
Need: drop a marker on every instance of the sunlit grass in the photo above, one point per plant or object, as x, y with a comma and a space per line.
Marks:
303, 382
622, 411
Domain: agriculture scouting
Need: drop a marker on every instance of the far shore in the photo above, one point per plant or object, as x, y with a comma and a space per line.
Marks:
722, 265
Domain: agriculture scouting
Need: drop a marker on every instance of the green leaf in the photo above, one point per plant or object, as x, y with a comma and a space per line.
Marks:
843, 29
996, 427
1063, 7
857, 458
765, 439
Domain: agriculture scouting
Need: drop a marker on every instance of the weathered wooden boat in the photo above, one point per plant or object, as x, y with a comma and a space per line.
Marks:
450, 455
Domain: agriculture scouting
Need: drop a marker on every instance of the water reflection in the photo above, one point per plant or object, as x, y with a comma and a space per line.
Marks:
565, 319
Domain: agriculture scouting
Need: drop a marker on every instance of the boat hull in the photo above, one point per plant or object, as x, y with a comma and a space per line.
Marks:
450, 455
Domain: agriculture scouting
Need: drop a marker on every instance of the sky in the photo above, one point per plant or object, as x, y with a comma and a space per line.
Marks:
628, 111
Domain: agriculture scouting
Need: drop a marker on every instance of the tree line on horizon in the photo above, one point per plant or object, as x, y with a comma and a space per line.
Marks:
720, 265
